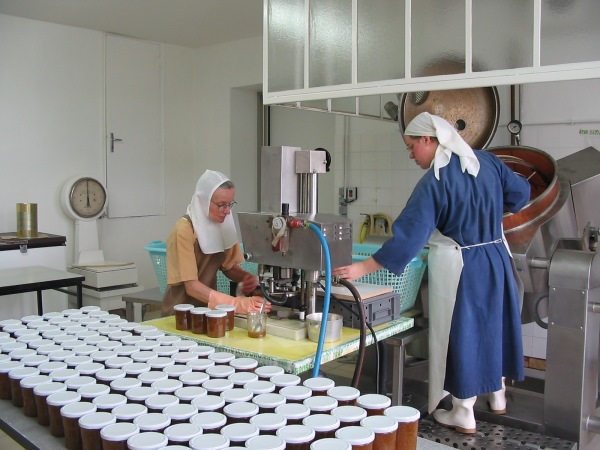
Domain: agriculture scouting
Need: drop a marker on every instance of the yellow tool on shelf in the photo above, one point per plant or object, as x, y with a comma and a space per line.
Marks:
378, 224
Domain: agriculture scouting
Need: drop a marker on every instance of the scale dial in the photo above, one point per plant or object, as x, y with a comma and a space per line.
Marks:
514, 127
85, 198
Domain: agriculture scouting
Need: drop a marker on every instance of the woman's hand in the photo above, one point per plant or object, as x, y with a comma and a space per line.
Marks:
249, 284
356, 270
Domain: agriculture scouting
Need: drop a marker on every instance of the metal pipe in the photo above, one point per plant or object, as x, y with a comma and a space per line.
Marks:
539, 263
592, 424
594, 307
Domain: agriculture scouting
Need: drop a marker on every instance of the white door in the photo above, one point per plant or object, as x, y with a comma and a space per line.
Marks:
134, 153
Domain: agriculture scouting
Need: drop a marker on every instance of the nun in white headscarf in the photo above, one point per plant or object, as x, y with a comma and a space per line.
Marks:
474, 309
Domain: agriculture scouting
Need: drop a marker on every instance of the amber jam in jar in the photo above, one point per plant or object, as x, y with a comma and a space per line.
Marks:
115, 436
268, 423
321, 404
345, 395
325, 425
268, 402
293, 412
295, 394
349, 415
408, 425
297, 437
330, 444
182, 433
209, 421
182, 316
198, 316
319, 386
71, 414
15, 376
239, 433
360, 438
374, 404
385, 431
216, 323
55, 403
27, 386
266, 442
240, 412
230, 310
41, 392
90, 426
244, 365
153, 422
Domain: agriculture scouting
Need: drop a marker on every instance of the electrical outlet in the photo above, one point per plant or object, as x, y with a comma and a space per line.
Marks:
351, 194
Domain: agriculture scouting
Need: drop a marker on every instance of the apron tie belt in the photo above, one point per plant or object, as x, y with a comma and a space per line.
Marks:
468, 247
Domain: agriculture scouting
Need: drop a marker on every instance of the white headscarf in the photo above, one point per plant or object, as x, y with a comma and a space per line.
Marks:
213, 237
450, 141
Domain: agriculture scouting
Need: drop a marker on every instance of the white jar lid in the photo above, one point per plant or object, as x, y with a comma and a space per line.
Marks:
209, 419
321, 403
220, 371
109, 401
349, 413
89, 309
131, 340
184, 357
151, 335
203, 350
355, 435
221, 357
129, 326
293, 411
124, 384
86, 349
217, 385
148, 378
208, 402
91, 368
147, 345
51, 366
165, 350
51, 334
296, 434
13, 328
183, 307
189, 393
23, 372
404, 414
31, 318
295, 392
127, 350
93, 390
200, 364
129, 411
236, 395
109, 345
200, 310
103, 355
143, 355
286, 379
6, 322
72, 345
69, 312
193, 378
373, 401
26, 339
7, 366
161, 401
180, 412
34, 380
77, 409
5, 358
63, 398
96, 420
168, 340
136, 368
117, 362
149, 440
321, 422
78, 316
268, 421
26, 332
241, 378
75, 360
260, 387
110, 374
265, 443
216, 313
330, 444
182, 432
380, 424
185, 344
21, 353
97, 313
60, 355
269, 400
141, 393
116, 321
226, 308
176, 370
33, 344
73, 330
344, 393
95, 340
119, 335
88, 331
209, 441
152, 421
75, 383
243, 363
167, 386
318, 383
239, 432
44, 390
119, 431
106, 317
240, 410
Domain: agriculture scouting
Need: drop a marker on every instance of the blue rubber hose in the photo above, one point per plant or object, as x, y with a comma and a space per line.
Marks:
324, 317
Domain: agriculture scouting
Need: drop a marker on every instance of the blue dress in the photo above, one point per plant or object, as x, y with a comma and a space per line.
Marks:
485, 334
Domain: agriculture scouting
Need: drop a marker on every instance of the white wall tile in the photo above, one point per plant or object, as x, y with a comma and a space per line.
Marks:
539, 348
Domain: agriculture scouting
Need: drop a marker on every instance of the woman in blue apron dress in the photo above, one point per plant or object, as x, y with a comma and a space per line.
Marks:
474, 300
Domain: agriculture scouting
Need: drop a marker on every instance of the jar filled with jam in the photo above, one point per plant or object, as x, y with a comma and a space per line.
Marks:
230, 310
266, 372
129, 411
193, 378
209, 441
216, 323
239, 433
268, 402
55, 403
240, 412
27, 386
109, 401
188, 393
40, 393
374, 404
91, 391
360, 438
209, 421
345, 395
90, 426
408, 425
153, 422
244, 365
159, 402
349, 415
15, 376
182, 433
293, 412
319, 386
237, 395
321, 404
220, 371
325, 425
330, 444
148, 440
295, 394
384, 428
221, 357
209, 402
266, 443
115, 436
180, 413
297, 437
284, 380
259, 386
71, 414
215, 386
268, 423
183, 317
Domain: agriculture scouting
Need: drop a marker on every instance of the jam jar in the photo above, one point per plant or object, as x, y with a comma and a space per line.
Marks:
345, 395
115, 436
408, 425
90, 426
71, 414
27, 386
295, 394
159, 402
209, 403
129, 411
360, 438
244, 364
321, 404
108, 402
259, 386
216, 323
268, 402
293, 412
209, 441
239, 379
319, 386
182, 316
325, 425
15, 376
349, 415
230, 310
180, 413
153, 422
266, 442
41, 392
268, 423
148, 440
240, 412
209, 421
297, 437
55, 402
384, 428
198, 316
286, 379
374, 404
239, 433
330, 444
188, 393
182, 433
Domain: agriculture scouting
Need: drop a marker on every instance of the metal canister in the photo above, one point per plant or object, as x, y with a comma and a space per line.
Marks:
27, 220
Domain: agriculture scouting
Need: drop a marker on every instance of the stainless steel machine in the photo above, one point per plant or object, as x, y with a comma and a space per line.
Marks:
289, 256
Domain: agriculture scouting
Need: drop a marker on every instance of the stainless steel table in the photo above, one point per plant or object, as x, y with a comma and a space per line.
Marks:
38, 279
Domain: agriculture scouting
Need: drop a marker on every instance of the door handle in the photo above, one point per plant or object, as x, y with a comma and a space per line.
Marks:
113, 139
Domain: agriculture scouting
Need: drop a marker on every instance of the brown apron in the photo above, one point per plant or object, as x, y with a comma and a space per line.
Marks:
207, 265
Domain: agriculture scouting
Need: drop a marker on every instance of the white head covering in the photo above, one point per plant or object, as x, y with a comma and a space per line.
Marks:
450, 141
213, 237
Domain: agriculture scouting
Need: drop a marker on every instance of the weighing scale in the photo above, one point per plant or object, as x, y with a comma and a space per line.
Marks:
85, 200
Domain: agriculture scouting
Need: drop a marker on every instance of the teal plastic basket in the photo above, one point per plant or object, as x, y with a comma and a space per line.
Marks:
406, 285
158, 256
